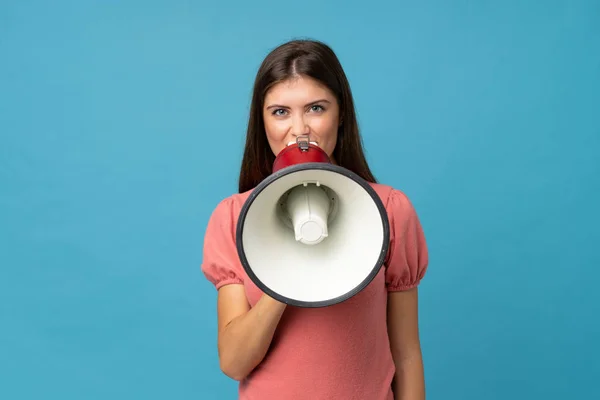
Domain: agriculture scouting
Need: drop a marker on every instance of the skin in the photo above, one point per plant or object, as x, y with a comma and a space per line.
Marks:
297, 107
403, 331
245, 333
292, 108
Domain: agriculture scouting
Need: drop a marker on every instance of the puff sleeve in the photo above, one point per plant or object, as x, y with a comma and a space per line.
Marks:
408, 257
220, 262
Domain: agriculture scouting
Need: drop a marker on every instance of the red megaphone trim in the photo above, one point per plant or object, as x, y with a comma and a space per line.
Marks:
300, 152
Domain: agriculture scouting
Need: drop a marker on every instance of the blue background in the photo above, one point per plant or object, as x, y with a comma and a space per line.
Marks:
122, 125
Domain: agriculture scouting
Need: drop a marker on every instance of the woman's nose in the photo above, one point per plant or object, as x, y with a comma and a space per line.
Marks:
299, 127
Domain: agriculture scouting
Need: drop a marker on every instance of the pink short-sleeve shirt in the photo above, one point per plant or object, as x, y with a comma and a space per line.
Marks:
336, 352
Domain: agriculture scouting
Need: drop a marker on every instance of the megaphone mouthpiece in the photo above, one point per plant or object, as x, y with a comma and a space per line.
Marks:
301, 152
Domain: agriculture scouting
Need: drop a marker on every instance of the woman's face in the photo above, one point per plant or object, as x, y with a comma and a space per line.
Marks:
301, 106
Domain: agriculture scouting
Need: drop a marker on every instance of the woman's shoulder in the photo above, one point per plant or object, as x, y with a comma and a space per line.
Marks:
395, 200
407, 258
231, 204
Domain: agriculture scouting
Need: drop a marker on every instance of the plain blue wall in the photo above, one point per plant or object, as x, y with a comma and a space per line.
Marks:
122, 126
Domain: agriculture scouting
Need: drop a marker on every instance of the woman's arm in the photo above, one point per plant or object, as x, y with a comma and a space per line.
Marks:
403, 330
245, 333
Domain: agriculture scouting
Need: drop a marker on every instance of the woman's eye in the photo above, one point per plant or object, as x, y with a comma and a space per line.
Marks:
279, 112
317, 108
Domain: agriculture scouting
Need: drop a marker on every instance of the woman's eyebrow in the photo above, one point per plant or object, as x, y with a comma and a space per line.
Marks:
311, 103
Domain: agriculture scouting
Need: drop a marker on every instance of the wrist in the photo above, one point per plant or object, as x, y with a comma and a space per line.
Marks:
272, 303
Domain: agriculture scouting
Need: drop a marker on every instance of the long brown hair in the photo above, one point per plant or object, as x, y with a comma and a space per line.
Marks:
318, 61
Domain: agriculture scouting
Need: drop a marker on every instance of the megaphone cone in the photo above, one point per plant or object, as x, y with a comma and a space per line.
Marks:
312, 234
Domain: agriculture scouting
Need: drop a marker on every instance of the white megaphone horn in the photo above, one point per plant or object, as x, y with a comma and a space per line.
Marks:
312, 233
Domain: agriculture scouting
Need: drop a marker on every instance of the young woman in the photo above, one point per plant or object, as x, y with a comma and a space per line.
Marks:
366, 348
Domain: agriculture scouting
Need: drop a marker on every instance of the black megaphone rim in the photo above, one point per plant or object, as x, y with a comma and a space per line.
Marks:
313, 166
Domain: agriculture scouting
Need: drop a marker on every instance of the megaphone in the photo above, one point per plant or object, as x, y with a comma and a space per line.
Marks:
312, 234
